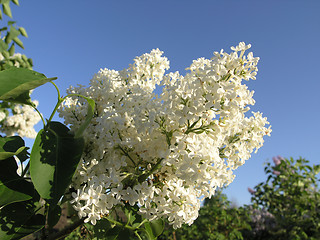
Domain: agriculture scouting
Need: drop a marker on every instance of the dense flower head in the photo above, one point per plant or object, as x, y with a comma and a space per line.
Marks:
20, 120
164, 152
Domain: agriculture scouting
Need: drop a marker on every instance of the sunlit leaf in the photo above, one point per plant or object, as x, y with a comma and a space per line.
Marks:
14, 82
12, 50
23, 32
18, 42
6, 9
16, 2
154, 228
3, 46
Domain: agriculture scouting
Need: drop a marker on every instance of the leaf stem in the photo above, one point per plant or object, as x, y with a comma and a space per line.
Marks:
121, 224
43, 121
127, 155
136, 233
25, 169
144, 220
58, 91
155, 167
60, 100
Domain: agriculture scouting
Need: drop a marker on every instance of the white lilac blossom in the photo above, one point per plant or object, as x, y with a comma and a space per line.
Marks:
21, 121
164, 152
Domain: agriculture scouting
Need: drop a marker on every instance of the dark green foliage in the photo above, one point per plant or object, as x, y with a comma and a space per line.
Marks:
291, 195
217, 220
122, 224
10, 38
286, 206
20, 219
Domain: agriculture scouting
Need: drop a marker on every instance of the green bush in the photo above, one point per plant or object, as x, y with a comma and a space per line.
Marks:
285, 206
291, 197
217, 220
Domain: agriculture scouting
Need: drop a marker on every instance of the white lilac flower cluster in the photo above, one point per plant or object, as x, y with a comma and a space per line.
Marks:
17, 57
21, 121
164, 152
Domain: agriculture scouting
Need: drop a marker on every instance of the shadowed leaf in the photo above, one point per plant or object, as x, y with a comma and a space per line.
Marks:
53, 160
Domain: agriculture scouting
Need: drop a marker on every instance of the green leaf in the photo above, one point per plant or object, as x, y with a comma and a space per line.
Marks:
154, 228
5, 155
23, 32
90, 112
18, 42
109, 234
16, 2
12, 50
130, 215
10, 146
30, 62
17, 81
11, 22
124, 234
54, 159
3, 46
19, 219
6, 9
5, 54
14, 33
23, 98
13, 188
54, 214
101, 228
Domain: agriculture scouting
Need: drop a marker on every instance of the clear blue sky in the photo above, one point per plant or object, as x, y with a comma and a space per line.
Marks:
73, 39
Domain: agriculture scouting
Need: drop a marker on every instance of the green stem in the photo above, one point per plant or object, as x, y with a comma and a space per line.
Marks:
58, 91
127, 154
43, 121
114, 222
58, 103
54, 111
121, 224
60, 100
136, 233
144, 176
25, 169
144, 220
